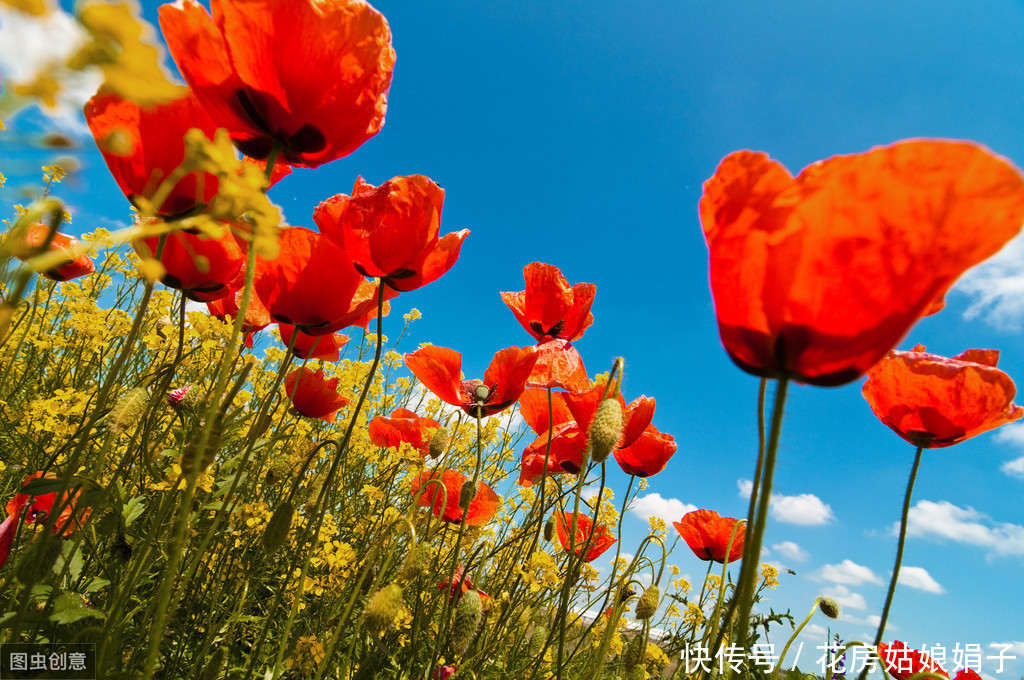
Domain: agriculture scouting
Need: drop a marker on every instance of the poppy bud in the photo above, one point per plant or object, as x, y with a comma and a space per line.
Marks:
549, 529
438, 443
182, 399
212, 444
538, 639
632, 653
278, 470
468, 615
829, 607
38, 560
121, 550
637, 673
605, 431
383, 608
165, 325
276, 533
648, 603
468, 492
128, 410
415, 564
215, 665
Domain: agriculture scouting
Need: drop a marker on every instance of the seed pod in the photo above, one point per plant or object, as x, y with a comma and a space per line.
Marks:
383, 608
276, 533
188, 456
37, 561
549, 529
607, 428
631, 655
438, 443
538, 639
468, 493
829, 607
215, 665
468, 615
648, 603
128, 410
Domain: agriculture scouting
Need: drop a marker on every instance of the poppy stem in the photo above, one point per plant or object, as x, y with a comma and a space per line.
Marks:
899, 551
752, 550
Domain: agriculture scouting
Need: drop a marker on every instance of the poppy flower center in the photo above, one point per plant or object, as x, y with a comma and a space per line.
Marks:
259, 108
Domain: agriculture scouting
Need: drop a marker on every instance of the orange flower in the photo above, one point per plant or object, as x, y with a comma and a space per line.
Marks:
312, 395
201, 267
648, 455
568, 440
256, 315
32, 240
597, 535
708, 534
309, 75
312, 284
142, 146
445, 501
403, 426
391, 231
817, 277
559, 365
636, 416
305, 346
549, 307
440, 371
39, 507
932, 401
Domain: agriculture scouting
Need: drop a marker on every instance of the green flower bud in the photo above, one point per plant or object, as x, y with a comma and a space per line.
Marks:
468, 614
276, 533
438, 443
215, 665
549, 529
829, 607
468, 493
605, 431
648, 603
128, 410
631, 655
383, 608
538, 639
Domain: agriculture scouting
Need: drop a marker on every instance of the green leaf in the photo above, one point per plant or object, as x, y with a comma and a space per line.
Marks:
70, 607
44, 485
133, 509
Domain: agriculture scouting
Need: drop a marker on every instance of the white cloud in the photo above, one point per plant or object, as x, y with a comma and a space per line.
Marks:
846, 572
945, 520
653, 505
996, 288
29, 45
1011, 434
791, 550
918, 577
805, 509
846, 598
1014, 468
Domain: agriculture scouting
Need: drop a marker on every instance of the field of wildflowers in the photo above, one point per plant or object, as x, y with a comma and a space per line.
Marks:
188, 498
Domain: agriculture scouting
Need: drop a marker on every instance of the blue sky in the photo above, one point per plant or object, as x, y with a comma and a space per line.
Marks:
580, 134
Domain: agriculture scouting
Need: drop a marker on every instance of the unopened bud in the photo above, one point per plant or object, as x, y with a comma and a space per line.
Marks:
632, 653
830, 607
383, 608
468, 492
416, 563
215, 665
549, 529
636, 673
648, 603
607, 428
468, 615
276, 533
182, 399
538, 639
128, 410
438, 443
188, 456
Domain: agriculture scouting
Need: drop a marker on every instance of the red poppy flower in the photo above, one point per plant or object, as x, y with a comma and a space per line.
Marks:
256, 315
636, 415
309, 75
598, 536
403, 426
305, 346
201, 267
38, 507
391, 231
461, 583
817, 277
446, 501
549, 307
313, 395
648, 455
559, 365
568, 440
902, 662
708, 535
932, 401
440, 371
31, 241
142, 146
312, 284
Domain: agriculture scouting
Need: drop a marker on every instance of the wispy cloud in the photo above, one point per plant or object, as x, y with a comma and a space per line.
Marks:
791, 550
845, 597
653, 505
846, 572
944, 520
996, 288
1014, 436
919, 578
805, 509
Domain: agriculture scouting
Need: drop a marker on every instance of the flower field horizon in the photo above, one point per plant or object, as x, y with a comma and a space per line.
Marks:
559, 426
